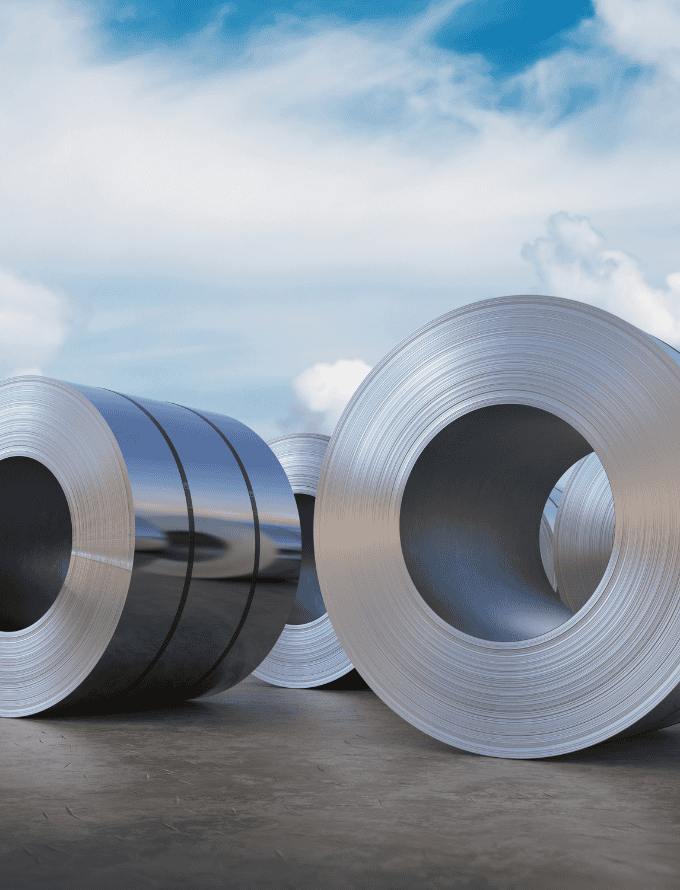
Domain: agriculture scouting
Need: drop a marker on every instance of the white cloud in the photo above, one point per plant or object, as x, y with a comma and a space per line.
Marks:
315, 182
323, 149
34, 322
323, 391
575, 262
646, 30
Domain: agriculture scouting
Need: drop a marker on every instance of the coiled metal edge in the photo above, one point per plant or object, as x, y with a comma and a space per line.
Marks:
547, 533
584, 533
427, 528
546, 545
584, 526
148, 552
308, 652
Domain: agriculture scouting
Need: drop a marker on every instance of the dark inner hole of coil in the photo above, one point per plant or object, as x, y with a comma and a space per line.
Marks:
470, 520
308, 605
35, 541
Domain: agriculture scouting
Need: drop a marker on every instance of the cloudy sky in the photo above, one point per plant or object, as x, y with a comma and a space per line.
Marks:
242, 206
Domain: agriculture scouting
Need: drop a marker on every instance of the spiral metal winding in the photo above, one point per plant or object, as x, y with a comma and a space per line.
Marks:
428, 518
307, 653
148, 552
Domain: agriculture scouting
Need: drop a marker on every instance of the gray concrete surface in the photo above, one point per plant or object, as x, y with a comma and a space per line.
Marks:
272, 788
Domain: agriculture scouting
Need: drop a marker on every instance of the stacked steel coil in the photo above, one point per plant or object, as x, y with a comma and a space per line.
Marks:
307, 653
150, 553
428, 518
147, 551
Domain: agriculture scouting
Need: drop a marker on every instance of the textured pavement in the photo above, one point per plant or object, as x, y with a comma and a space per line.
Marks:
273, 788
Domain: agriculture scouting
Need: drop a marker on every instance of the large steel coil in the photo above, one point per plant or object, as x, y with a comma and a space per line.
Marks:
307, 653
146, 550
428, 517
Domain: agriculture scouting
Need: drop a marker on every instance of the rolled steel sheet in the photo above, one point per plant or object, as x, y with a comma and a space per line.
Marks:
546, 535
307, 653
428, 517
584, 533
147, 550
545, 539
584, 526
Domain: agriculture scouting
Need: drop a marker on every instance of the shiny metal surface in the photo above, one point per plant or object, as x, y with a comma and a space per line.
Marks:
584, 533
545, 543
428, 516
546, 535
585, 525
184, 556
307, 653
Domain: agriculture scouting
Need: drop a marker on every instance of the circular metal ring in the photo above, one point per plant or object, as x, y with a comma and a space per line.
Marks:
307, 653
148, 550
584, 533
428, 517
546, 545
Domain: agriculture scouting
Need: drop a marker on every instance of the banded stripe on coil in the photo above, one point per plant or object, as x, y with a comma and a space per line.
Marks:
147, 551
307, 653
428, 517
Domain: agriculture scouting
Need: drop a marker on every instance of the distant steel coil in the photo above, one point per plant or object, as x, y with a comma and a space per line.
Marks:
146, 550
584, 528
428, 518
545, 539
308, 652
546, 535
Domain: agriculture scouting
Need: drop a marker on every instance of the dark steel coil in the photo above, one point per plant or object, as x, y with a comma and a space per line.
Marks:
147, 551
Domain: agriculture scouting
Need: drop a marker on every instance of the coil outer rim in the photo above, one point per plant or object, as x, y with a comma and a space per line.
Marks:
612, 665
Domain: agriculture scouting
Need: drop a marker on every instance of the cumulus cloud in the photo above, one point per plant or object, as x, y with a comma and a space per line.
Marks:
573, 261
270, 180
315, 148
34, 322
646, 30
323, 391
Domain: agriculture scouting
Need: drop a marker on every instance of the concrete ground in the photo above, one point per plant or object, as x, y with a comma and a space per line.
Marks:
273, 788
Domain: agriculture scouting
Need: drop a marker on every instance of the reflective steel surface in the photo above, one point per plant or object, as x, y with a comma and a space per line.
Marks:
428, 517
584, 533
307, 653
545, 544
213, 541
585, 525
470, 527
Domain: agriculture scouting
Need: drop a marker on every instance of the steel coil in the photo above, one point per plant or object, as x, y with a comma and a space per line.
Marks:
584, 526
545, 541
307, 653
147, 551
546, 535
584, 533
428, 518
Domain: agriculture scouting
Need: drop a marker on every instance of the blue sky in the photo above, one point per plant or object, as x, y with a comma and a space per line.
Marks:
204, 201
510, 35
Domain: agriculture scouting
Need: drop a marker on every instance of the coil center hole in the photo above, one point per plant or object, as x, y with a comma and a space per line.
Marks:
308, 605
471, 515
35, 541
